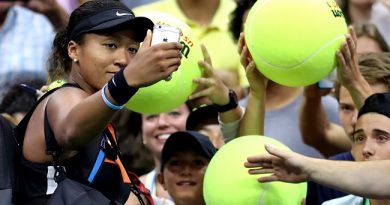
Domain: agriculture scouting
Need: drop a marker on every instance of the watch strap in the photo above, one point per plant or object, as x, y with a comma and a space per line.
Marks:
233, 103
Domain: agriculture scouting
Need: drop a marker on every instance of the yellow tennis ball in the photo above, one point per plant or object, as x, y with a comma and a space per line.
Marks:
227, 181
168, 95
294, 43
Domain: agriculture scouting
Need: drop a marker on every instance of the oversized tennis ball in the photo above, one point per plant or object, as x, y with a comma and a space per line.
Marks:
294, 43
167, 95
227, 181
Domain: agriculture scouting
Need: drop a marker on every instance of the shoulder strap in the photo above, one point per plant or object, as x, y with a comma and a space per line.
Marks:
52, 147
112, 138
51, 143
133, 187
20, 129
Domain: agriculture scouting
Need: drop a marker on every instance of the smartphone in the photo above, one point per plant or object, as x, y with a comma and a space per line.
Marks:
328, 81
165, 34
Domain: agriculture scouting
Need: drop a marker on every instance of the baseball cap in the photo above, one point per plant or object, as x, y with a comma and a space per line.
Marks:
376, 103
182, 140
203, 115
112, 16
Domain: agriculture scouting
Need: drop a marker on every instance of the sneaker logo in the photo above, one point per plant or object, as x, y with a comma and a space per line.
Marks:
122, 14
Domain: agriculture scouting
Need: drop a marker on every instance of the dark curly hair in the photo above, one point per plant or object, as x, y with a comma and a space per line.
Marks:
236, 17
18, 100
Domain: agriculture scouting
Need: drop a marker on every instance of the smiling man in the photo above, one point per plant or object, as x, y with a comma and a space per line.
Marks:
184, 159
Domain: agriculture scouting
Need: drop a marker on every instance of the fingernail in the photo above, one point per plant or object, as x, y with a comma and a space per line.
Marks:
268, 145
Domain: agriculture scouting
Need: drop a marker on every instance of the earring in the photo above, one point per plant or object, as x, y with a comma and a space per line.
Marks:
75, 60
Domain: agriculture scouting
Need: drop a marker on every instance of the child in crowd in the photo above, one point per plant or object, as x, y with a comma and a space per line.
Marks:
184, 160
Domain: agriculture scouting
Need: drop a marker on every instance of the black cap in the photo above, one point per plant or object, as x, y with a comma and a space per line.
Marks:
183, 140
376, 103
112, 17
204, 115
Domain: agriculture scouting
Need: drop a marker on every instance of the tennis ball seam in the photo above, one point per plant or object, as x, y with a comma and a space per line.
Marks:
262, 196
305, 60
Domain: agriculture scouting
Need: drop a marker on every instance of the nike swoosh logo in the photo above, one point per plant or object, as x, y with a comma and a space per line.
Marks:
122, 14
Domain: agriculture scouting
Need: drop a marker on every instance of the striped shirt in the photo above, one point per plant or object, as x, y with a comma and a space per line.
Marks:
25, 45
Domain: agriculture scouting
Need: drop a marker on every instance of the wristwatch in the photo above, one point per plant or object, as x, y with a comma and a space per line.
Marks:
233, 103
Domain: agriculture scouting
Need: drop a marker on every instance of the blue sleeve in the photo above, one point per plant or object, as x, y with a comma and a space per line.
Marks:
317, 194
331, 107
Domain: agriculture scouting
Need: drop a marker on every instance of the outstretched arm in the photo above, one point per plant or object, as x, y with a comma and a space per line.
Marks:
316, 130
348, 71
252, 122
367, 179
86, 114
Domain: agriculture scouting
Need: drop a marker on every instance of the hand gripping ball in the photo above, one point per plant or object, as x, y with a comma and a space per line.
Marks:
294, 43
164, 96
227, 181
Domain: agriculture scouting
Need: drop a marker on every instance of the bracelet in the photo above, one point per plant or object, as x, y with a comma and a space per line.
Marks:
120, 91
108, 103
